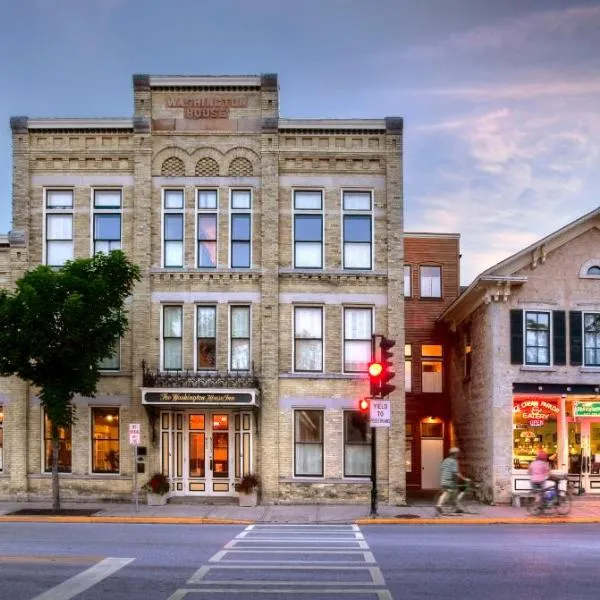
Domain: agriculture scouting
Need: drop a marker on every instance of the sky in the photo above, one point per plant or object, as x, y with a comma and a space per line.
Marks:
500, 100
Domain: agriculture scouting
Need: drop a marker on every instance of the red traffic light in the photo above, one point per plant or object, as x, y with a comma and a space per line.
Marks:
363, 405
375, 369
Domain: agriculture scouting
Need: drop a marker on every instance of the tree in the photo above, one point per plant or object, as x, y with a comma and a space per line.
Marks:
56, 327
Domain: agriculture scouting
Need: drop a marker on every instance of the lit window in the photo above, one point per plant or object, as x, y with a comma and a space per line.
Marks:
64, 447
173, 227
308, 229
357, 230
105, 440
207, 229
59, 227
358, 327
408, 367
308, 443
431, 368
431, 282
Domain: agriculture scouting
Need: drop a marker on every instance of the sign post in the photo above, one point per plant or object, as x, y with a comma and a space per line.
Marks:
135, 434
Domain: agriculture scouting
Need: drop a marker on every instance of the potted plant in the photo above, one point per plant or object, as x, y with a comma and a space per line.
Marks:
157, 488
247, 488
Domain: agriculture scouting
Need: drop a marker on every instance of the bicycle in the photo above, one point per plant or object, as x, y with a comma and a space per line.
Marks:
466, 498
551, 499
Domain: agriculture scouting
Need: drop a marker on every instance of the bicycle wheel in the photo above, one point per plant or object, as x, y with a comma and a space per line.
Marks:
469, 502
533, 505
563, 503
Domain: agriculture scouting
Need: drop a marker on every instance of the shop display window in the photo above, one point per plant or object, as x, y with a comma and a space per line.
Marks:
534, 429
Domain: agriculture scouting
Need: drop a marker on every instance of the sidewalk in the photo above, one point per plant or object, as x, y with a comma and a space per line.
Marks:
585, 510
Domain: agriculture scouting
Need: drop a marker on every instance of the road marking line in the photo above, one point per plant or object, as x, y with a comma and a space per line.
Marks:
199, 574
85, 580
218, 556
299, 539
179, 594
239, 544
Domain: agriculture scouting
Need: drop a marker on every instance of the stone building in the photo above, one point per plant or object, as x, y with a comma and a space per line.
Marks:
525, 367
271, 250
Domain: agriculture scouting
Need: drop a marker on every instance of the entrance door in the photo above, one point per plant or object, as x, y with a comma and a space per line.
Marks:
584, 454
432, 454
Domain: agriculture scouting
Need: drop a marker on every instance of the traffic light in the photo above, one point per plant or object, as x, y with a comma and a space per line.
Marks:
387, 374
364, 406
375, 370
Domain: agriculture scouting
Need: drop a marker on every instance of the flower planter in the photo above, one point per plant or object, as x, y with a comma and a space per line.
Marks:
250, 499
156, 499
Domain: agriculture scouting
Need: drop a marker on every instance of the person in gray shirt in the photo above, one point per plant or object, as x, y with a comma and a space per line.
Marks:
450, 476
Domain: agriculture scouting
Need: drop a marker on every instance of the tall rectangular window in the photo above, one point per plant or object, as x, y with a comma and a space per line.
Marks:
1, 438
408, 367
468, 352
241, 229
308, 229
105, 440
357, 230
308, 443
207, 229
407, 281
308, 338
107, 220
591, 339
112, 362
431, 368
64, 447
357, 445
173, 227
206, 338
358, 327
537, 338
172, 338
59, 227
239, 359
431, 282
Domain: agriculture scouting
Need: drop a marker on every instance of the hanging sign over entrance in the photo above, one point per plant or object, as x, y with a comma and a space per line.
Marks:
199, 397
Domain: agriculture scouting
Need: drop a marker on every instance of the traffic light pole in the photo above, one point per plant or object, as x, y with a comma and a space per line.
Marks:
373, 448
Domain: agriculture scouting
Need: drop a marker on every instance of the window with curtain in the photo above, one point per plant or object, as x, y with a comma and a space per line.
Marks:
407, 281
407, 367
59, 227
357, 445
239, 359
173, 227
241, 229
64, 447
431, 368
207, 228
358, 327
206, 317
308, 338
308, 443
107, 220
105, 440
431, 282
172, 338
112, 362
537, 338
308, 229
591, 339
357, 230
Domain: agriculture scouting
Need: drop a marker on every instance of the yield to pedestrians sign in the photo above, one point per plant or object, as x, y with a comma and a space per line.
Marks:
380, 413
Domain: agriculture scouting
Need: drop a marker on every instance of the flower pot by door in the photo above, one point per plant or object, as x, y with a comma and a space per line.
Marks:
250, 499
156, 499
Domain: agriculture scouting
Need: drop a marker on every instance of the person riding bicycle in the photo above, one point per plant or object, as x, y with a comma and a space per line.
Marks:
539, 470
450, 476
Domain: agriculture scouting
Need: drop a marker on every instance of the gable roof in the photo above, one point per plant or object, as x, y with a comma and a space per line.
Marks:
496, 281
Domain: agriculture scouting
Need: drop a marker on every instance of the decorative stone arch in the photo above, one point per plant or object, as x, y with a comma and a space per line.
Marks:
173, 167
159, 160
586, 266
208, 162
250, 165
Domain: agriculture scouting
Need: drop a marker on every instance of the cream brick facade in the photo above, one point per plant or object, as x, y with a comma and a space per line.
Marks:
222, 134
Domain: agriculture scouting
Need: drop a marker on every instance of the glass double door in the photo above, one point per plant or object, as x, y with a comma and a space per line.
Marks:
584, 454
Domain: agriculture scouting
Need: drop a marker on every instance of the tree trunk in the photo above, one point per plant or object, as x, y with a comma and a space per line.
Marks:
55, 481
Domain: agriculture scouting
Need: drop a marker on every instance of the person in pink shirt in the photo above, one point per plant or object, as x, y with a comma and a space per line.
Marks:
539, 470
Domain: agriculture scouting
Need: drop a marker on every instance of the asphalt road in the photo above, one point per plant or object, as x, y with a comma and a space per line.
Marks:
55, 561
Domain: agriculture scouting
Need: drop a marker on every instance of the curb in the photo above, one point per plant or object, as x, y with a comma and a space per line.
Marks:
480, 521
132, 519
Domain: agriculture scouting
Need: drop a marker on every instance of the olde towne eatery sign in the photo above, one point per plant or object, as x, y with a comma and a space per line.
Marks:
536, 410
206, 107
199, 397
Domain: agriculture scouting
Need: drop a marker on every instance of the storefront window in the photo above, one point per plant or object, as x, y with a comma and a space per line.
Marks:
64, 447
105, 440
534, 428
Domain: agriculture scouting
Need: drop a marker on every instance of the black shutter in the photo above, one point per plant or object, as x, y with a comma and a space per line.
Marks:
575, 336
516, 337
559, 338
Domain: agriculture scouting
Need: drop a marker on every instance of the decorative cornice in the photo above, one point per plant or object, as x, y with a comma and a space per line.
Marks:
80, 123
204, 81
333, 124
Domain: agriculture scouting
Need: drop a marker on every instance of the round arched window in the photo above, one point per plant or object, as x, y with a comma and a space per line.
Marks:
594, 270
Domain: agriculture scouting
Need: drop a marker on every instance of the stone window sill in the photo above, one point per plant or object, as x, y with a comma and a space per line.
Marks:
540, 368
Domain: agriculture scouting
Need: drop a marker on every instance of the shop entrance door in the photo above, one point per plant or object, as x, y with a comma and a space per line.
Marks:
584, 454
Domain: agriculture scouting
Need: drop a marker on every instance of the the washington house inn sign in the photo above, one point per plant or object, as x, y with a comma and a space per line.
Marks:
271, 251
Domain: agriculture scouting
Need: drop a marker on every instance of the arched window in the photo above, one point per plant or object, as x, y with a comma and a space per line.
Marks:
207, 167
594, 270
240, 167
173, 167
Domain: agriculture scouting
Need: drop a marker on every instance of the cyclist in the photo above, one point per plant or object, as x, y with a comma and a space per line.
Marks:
539, 470
449, 480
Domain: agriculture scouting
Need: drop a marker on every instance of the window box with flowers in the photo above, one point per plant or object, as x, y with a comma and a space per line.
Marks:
247, 489
157, 488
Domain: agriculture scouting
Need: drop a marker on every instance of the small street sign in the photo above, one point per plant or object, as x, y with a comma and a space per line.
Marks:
380, 413
135, 434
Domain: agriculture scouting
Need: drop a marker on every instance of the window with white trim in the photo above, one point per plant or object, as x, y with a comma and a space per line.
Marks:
239, 344
107, 220
407, 281
172, 337
357, 230
308, 338
308, 229
112, 362
105, 440
207, 229
173, 228
358, 327
591, 339
407, 367
241, 229
64, 447
59, 227
308, 443
206, 338
431, 281
357, 445
537, 338
431, 368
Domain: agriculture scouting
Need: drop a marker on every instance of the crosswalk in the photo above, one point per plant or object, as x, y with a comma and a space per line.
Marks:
280, 561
